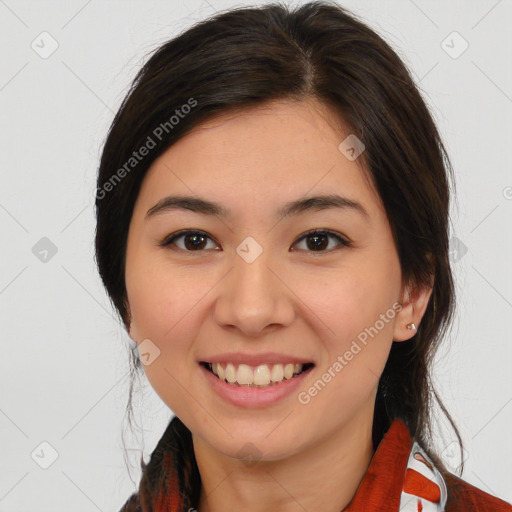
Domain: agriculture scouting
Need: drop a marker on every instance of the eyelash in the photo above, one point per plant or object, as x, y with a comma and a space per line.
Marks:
179, 234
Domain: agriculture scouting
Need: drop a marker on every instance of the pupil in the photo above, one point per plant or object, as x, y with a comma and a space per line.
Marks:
318, 244
197, 238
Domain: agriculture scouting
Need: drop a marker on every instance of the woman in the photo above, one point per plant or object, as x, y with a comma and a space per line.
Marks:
272, 228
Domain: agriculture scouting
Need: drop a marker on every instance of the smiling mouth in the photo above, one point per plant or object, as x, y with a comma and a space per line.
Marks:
262, 376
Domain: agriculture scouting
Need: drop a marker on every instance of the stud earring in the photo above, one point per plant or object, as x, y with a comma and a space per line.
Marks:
411, 326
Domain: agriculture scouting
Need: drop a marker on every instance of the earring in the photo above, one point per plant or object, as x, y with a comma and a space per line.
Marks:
411, 326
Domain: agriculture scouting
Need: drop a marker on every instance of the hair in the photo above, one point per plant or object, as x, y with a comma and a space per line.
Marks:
246, 57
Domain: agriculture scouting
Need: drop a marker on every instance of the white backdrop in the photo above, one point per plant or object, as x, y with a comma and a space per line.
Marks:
66, 66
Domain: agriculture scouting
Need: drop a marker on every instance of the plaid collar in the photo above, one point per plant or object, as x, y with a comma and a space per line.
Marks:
400, 477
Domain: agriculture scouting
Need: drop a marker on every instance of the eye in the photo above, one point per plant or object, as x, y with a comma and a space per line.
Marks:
319, 237
195, 241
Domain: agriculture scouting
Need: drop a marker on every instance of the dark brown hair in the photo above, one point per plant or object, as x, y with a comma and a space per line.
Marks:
245, 57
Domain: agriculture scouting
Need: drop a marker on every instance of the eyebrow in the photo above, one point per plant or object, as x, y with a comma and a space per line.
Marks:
296, 207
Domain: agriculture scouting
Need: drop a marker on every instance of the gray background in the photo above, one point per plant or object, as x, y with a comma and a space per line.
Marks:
63, 369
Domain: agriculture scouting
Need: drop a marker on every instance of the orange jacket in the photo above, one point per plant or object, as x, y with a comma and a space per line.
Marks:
400, 478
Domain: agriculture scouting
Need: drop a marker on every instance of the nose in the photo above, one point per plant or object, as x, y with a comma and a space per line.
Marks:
254, 297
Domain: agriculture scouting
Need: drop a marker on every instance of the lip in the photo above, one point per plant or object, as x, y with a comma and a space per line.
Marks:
245, 396
255, 359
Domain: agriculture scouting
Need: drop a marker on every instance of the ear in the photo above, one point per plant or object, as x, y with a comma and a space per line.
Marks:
414, 302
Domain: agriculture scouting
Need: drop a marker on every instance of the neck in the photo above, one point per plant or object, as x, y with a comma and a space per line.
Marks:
323, 477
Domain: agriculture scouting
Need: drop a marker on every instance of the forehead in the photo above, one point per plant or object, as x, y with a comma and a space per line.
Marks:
267, 155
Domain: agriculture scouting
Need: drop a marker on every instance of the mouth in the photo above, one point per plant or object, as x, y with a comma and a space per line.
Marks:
261, 376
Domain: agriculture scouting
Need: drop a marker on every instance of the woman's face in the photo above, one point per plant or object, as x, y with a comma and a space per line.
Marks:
251, 284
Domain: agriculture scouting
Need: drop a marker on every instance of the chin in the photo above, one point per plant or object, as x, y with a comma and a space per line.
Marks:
255, 443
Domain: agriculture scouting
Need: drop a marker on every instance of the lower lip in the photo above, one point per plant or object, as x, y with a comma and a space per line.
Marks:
245, 396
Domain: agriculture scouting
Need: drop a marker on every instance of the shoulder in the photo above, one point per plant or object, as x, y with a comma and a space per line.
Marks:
464, 496
461, 496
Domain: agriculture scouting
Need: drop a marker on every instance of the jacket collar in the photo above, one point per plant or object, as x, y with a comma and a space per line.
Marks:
400, 477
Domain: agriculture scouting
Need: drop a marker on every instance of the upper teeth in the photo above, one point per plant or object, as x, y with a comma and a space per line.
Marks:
261, 375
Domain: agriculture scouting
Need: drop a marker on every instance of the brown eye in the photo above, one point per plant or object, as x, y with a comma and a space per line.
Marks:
196, 241
193, 241
318, 240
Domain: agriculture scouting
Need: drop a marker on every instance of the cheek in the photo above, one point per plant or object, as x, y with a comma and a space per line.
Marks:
349, 301
162, 306
167, 308
354, 309
162, 298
